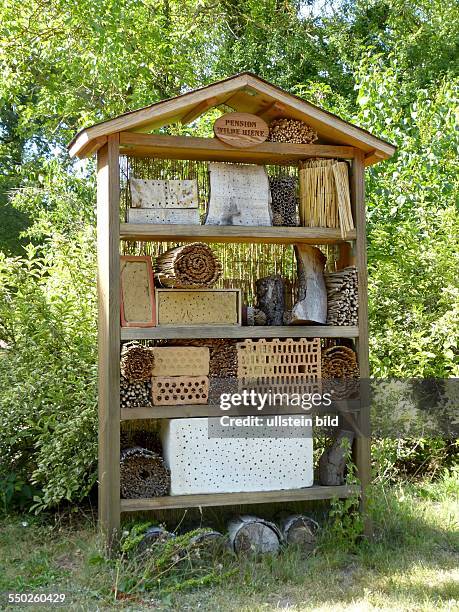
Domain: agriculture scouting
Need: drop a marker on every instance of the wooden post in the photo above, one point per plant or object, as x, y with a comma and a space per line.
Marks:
362, 442
108, 282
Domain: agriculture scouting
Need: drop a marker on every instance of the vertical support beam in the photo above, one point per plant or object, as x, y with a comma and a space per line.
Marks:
108, 283
362, 442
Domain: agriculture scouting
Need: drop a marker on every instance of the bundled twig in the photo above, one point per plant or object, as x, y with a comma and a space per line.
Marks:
342, 296
284, 200
135, 395
143, 474
324, 194
340, 367
189, 265
291, 130
137, 362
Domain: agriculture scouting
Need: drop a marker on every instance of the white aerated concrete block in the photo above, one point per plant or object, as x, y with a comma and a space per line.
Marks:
202, 464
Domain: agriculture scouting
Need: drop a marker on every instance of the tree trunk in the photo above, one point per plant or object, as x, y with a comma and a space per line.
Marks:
270, 295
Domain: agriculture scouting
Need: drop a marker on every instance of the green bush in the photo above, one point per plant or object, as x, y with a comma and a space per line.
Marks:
48, 374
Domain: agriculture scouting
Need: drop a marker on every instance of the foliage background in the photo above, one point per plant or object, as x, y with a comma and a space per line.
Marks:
391, 66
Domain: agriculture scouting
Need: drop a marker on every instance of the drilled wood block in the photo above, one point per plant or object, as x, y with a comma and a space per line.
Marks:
176, 390
198, 306
162, 216
181, 361
146, 193
137, 291
200, 463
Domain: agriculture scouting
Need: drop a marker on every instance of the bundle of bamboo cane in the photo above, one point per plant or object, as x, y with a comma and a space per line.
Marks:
324, 194
143, 474
189, 265
342, 296
291, 130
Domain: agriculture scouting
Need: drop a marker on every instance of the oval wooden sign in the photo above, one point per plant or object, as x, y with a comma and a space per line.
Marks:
241, 129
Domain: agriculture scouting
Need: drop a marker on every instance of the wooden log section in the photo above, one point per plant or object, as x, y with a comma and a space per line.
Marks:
250, 534
311, 306
332, 463
271, 300
189, 265
300, 530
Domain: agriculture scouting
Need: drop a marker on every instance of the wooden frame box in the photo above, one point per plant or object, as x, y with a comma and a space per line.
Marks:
137, 291
198, 307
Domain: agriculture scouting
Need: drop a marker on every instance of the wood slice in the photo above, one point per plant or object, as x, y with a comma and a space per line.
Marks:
250, 534
241, 129
312, 303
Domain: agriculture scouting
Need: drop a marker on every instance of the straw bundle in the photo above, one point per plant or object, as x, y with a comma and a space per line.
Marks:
137, 362
190, 265
324, 194
143, 474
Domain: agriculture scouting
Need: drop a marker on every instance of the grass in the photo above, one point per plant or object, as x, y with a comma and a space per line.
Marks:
411, 564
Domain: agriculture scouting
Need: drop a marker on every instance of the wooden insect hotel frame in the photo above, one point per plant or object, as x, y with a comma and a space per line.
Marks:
133, 138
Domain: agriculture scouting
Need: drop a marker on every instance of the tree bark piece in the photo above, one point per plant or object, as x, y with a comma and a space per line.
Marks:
311, 306
143, 474
250, 534
332, 463
271, 300
190, 265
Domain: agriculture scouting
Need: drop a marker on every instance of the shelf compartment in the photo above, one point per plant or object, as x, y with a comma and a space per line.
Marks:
234, 331
147, 232
316, 492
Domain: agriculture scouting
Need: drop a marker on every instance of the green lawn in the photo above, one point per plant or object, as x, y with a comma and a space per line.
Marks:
412, 564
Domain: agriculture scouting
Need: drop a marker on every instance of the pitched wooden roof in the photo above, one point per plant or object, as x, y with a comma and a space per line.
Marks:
243, 92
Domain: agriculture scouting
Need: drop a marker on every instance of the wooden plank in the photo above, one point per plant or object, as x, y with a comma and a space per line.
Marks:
199, 411
362, 442
212, 149
315, 492
108, 283
233, 331
233, 233
198, 110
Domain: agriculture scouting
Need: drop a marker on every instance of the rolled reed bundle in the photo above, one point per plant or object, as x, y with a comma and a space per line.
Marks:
342, 296
324, 194
137, 362
291, 130
143, 474
340, 367
189, 265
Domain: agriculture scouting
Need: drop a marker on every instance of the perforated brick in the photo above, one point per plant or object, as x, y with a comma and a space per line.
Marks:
177, 390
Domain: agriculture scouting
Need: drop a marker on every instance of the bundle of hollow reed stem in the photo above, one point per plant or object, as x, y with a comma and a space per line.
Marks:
324, 194
189, 265
143, 474
291, 130
341, 370
342, 296
137, 362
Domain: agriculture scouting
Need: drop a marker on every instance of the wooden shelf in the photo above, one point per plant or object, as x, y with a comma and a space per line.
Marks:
229, 499
204, 410
232, 233
211, 149
164, 332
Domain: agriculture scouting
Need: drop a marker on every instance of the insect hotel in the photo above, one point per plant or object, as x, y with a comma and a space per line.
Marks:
235, 259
